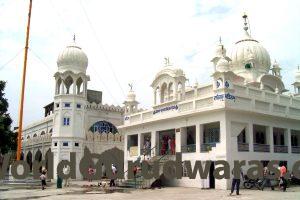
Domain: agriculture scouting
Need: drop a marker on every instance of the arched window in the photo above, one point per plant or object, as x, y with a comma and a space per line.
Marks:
43, 133
35, 135
79, 86
58, 86
68, 85
170, 91
163, 93
157, 96
219, 83
38, 155
103, 127
28, 136
179, 90
50, 131
29, 159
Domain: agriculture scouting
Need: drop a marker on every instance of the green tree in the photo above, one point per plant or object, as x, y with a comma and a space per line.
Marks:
8, 139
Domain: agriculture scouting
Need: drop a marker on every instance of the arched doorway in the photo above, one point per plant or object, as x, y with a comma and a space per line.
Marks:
46, 157
29, 160
22, 156
38, 156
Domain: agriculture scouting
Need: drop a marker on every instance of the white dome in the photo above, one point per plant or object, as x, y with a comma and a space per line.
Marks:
72, 58
220, 51
131, 96
249, 49
222, 65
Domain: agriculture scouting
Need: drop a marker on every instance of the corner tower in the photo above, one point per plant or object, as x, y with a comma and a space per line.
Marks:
69, 103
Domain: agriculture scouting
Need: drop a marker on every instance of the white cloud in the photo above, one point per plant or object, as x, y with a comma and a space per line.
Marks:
135, 36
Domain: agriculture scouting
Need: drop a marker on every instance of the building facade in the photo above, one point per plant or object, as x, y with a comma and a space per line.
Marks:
76, 119
243, 114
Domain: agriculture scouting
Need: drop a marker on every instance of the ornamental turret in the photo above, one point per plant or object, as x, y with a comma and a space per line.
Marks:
131, 105
276, 70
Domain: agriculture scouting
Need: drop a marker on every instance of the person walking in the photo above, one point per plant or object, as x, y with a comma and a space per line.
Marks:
236, 183
283, 182
43, 180
114, 171
90, 171
66, 171
266, 180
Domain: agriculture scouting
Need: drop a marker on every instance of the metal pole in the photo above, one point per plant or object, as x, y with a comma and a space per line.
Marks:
23, 85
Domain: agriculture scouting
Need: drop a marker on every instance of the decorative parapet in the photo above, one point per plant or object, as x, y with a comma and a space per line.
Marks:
105, 107
37, 140
104, 137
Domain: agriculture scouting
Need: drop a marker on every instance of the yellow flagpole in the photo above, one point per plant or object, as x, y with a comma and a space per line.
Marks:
20, 127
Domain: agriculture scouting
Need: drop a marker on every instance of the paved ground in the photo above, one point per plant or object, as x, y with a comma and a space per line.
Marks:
77, 191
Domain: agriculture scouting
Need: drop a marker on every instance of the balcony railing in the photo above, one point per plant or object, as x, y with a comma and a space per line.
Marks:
207, 147
280, 149
296, 149
243, 146
190, 148
261, 147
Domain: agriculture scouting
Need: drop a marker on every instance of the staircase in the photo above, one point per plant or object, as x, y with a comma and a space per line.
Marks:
139, 182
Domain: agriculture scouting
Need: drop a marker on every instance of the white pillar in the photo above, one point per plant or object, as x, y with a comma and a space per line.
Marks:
154, 92
175, 95
140, 145
154, 143
74, 88
125, 146
84, 88
250, 134
183, 137
271, 140
289, 139
198, 137
178, 139
62, 87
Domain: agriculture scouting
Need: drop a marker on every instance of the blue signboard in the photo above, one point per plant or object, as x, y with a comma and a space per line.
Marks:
173, 107
222, 97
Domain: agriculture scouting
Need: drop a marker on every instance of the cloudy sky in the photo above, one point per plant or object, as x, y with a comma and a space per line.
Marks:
126, 42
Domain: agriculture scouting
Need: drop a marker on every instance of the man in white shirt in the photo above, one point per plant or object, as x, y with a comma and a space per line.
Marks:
114, 171
66, 171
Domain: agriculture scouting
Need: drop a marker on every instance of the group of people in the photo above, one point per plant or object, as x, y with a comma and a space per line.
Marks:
266, 181
114, 170
167, 145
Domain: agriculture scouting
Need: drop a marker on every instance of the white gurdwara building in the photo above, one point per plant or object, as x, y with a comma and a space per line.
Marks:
241, 115
76, 119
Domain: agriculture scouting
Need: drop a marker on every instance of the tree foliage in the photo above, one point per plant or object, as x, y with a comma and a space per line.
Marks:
8, 139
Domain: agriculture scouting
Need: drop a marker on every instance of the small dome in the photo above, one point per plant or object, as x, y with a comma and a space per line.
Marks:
131, 96
222, 65
172, 71
72, 58
220, 50
249, 49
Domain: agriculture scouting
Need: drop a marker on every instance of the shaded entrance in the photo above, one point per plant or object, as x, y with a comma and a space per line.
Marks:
167, 142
